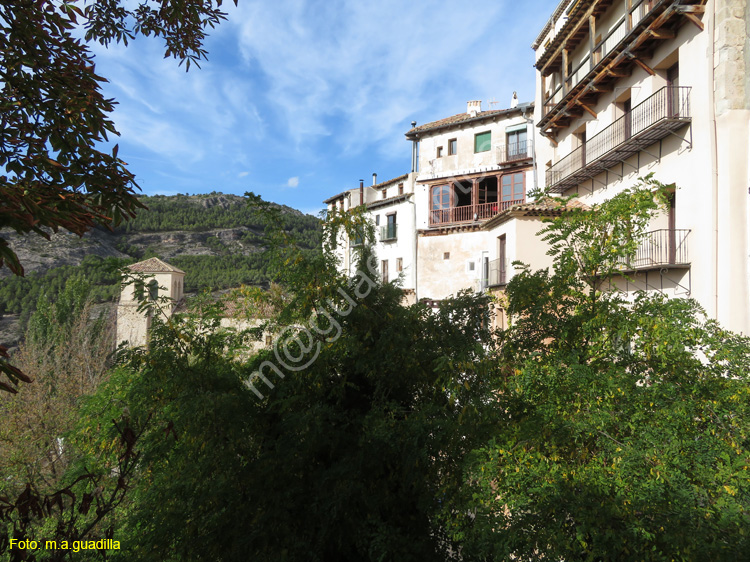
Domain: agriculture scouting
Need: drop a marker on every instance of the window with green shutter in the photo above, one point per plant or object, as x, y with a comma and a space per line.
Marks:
482, 142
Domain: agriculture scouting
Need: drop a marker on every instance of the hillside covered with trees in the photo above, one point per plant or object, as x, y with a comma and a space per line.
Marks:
215, 238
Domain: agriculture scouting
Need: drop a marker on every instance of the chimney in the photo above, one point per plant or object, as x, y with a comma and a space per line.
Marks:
473, 107
514, 101
361, 192
374, 178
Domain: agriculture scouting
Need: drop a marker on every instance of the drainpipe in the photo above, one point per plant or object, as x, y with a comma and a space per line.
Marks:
361, 192
416, 240
714, 162
414, 150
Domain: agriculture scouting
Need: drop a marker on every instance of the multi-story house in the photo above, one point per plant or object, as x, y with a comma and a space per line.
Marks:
629, 88
472, 167
390, 207
468, 170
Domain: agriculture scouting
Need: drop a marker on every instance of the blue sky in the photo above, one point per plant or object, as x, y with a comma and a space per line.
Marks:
299, 100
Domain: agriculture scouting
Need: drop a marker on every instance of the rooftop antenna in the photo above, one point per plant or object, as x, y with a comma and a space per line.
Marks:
493, 102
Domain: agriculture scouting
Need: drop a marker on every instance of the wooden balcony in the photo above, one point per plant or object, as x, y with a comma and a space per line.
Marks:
470, 213
651, 120
577, 85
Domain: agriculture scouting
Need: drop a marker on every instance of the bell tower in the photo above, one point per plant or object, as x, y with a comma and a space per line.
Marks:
159, 280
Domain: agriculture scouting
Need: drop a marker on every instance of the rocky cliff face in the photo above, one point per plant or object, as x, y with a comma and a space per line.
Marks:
63, 248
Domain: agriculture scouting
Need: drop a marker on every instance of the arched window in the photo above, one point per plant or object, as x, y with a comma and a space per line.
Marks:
153, 289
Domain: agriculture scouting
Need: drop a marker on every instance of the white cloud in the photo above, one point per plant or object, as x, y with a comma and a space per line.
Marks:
293, 182
374, 65
242, 174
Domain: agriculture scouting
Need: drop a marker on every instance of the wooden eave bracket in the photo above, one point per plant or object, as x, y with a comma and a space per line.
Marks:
640, 63
587, 108
662, 33
582, 20
693, 18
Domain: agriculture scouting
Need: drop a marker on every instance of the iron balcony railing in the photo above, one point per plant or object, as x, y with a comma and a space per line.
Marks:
497, 273
388, 232
514, 151
660, 248
670, 103
469, 213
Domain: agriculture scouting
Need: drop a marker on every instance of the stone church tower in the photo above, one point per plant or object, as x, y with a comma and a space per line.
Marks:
161, 280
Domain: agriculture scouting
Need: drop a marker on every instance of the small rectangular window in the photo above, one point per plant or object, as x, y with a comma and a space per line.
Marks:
383, 194
439, 151
447, 256
384, 270
452, 146
377, 220
401, 189
399, 264
482, 141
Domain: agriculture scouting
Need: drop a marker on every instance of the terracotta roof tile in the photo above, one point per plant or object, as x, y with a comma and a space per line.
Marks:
467, 118
154, 265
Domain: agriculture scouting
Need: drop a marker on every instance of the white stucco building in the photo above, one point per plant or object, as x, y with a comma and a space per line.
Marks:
467, 169
390, 207
625, 89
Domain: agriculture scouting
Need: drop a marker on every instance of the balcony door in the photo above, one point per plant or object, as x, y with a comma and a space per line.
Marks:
513, 189
390, 232
516, 145
673, 93
672, 232
440, 204
627, 119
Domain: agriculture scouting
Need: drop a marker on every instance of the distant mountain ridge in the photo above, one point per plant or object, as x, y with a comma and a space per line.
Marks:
215, 238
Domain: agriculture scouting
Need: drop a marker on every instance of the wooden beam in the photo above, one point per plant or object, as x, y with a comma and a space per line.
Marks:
582, 20
587, 108
693, 18
695, 9
661, 33
550, 138
598, 88
614, 73
643, 65
611, 70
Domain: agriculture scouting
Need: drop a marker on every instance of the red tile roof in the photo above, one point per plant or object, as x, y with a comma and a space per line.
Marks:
154, 265
463, 118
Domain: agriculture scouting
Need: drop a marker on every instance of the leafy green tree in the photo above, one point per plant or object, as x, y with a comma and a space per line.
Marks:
55, 116
348, 458
622, 428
